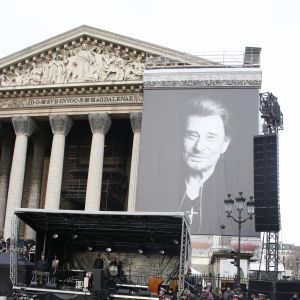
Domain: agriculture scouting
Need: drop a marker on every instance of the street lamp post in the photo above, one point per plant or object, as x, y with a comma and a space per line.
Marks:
297, 266
240, 201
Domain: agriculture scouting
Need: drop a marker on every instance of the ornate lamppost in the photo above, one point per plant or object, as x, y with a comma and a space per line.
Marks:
239, 201
297, 260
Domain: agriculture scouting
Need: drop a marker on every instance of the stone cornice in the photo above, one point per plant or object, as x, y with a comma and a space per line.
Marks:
71, 89
109, 37
202, 78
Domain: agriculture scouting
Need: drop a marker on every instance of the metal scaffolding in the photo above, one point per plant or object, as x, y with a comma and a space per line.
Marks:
249, 58
272, 247
184, 254
273, 122
13, 249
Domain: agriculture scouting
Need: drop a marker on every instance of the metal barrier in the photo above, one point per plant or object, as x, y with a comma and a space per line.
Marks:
215, 279
249, 58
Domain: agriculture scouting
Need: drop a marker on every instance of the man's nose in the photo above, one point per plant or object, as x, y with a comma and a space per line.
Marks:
200, 144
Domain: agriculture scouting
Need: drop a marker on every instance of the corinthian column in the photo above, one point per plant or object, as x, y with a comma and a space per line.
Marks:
23, 126
5, 162
36, 172
136, 120
60, 125
100, 123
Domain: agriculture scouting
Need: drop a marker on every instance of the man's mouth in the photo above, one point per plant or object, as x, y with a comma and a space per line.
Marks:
198, 158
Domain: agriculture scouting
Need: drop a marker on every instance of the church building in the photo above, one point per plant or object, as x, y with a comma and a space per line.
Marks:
71, 115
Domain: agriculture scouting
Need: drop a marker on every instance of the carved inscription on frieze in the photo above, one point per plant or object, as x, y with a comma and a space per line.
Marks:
73, 100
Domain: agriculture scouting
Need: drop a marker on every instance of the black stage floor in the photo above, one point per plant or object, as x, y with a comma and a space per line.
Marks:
56, 294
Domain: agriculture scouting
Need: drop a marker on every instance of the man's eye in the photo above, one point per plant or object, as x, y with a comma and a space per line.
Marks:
191, 136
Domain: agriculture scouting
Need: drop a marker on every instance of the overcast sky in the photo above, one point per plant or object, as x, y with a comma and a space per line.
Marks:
192, 26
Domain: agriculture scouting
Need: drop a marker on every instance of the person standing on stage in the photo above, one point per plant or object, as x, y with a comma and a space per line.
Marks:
41, 269
41, 264
98, 263
114, 267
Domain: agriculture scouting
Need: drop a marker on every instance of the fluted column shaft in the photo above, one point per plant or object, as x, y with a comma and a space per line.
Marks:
136, 120
36, 172
23, 126
100, 123
5, 162
60, 125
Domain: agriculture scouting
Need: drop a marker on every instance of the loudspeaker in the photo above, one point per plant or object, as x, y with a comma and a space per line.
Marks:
286, 288
33, 284
98, 279
144, 293
260, 287
51, 285
266, 181
124, 291
290, 286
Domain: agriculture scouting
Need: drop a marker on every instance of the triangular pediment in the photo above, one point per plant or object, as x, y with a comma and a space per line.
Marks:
87, 54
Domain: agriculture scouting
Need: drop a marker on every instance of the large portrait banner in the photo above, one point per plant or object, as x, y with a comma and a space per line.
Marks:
196, 148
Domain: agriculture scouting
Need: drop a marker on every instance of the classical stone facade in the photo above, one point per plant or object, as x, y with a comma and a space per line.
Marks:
82, 91
73, 104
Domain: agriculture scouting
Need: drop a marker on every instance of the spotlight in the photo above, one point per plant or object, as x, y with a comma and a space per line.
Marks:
55, 235
140, 251
162, 252
90, 248
175, 242
108, 249
74, 236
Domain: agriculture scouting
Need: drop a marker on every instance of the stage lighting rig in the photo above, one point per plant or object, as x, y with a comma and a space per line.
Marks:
271, 113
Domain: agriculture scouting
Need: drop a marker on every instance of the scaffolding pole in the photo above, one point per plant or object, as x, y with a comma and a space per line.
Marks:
13, 251
184, 249
272, 255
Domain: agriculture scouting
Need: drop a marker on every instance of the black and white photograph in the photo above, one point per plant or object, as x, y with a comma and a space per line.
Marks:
196, 148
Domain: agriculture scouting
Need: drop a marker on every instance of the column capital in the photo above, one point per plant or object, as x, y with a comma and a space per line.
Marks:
136, 121
99, 122
60, 123
23, 125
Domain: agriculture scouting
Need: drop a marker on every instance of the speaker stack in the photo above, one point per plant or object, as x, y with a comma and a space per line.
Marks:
98, 279
266, 181
261, 287
286, 288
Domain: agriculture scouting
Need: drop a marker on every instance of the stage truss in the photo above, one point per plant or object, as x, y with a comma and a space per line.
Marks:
184, 252
13, 270
273, 122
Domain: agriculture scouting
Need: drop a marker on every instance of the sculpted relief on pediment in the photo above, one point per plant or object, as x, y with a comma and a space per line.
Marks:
84, 63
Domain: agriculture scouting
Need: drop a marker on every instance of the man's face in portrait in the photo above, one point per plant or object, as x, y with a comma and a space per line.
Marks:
204, 141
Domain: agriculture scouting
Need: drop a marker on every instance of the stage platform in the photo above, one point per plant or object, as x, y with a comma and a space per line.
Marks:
56, 294
161, 236
53, 294
121, 296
